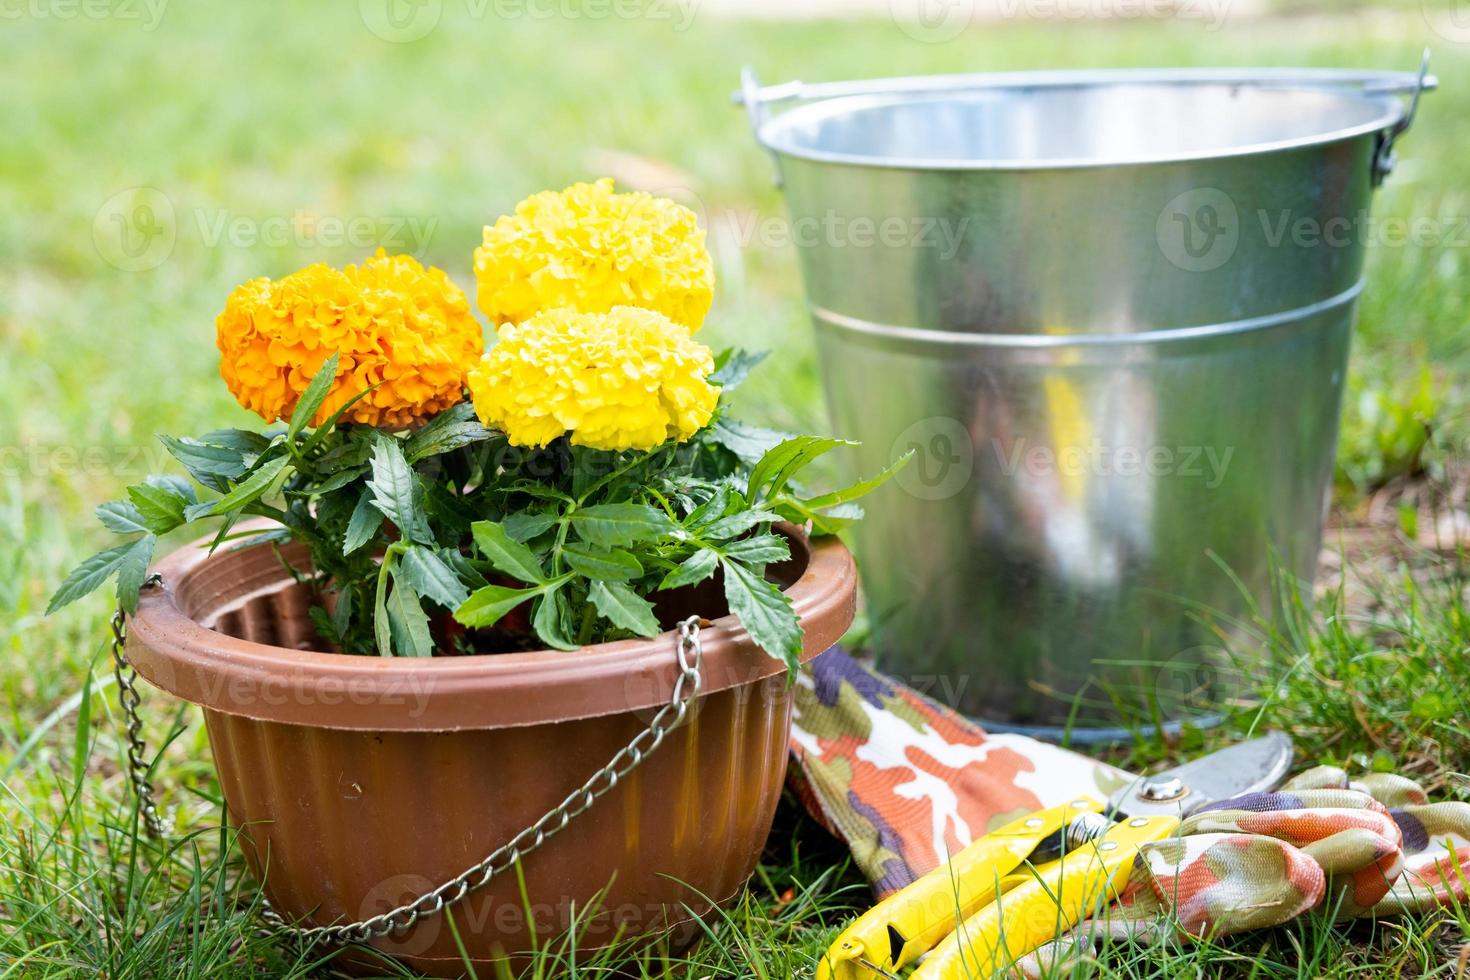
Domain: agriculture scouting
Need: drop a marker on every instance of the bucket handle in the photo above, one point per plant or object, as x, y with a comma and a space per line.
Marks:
1384, 158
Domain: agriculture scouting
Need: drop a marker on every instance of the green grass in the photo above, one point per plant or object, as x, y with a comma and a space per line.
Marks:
244, 116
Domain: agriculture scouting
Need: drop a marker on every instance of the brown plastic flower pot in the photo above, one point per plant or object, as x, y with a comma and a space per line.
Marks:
360, 782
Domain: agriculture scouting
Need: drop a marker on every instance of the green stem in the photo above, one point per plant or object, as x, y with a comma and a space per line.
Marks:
381, 630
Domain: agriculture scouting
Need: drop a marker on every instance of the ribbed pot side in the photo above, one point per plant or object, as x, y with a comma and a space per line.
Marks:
341, 820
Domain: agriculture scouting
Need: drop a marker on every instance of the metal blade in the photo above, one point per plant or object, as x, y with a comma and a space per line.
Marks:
1256, 766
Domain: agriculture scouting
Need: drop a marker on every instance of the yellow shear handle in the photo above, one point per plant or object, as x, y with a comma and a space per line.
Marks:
1039, 904
908, 923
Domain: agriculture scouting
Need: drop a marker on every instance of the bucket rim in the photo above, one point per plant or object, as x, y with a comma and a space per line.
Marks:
773, 132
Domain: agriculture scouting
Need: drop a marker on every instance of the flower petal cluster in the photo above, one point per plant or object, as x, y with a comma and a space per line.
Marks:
629, 378
395, 324
590, 249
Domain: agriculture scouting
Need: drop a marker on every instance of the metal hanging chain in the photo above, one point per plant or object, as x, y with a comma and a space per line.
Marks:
690, 656
127, 696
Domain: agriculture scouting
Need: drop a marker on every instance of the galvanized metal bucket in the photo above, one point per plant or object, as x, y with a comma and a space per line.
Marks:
1111, 311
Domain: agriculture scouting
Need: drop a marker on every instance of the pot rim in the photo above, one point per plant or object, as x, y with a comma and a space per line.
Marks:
483, 691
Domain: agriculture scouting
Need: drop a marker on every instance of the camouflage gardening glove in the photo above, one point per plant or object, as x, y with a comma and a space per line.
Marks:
1373, 847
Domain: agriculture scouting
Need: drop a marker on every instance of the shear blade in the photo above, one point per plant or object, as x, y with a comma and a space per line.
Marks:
1255, 766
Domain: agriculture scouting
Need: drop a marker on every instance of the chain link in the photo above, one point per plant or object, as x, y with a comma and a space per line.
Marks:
128, 697
690, 655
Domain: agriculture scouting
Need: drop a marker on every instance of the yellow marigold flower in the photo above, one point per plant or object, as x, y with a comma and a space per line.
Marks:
589, 249
391, 320
626, 379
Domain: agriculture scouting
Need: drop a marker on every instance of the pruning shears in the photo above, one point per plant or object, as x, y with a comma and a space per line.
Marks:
1031, 880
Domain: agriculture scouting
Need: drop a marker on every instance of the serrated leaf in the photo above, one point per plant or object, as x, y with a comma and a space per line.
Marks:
396, 492
252, 487
176, 484
406, 618
765, 612
426, 572
598, 563
486, 606
363, 525
613, 525
330, 425
335, 481
121, 517
712, 509
506, 554
623, 607
693, 570
760, 550
451, 429
86, 577
210, 465
132, 570
732, 366
161, 509
550, 622
737, 524
312, 398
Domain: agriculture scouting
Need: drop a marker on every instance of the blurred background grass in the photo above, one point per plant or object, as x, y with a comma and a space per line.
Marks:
268, 135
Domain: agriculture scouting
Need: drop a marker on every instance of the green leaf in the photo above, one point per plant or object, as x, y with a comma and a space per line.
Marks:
406, 618
342, 612
81, 748
737, 524
121, 517
760, 550
748, 442
426, 572
162, 510
623, 607
524, 526
611, 525
732, 366
765, 612
506, 554
132, 570
252, 487
451, 429
550, 622
312, 398
597, 563
87, 576
486, 606
694, 569
330, 425
210, 465
246, 441
777, 467
712, 509
863, 488
365, 522
396, 491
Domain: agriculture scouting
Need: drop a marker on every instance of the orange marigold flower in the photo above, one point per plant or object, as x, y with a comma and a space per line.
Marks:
589, 249
395, 324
